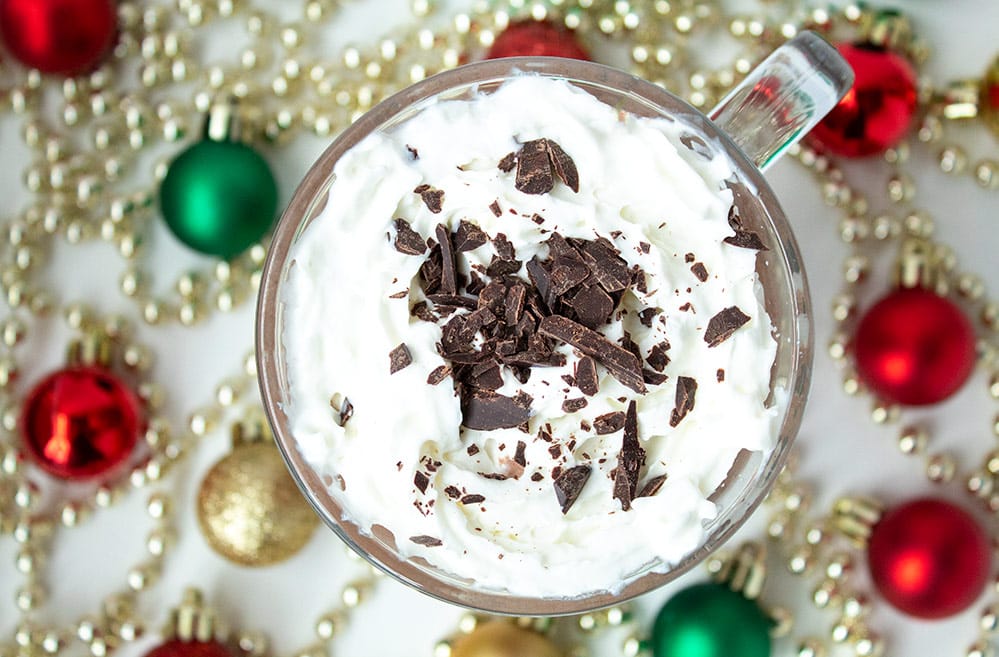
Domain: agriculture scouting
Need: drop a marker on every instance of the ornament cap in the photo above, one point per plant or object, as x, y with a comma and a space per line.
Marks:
745, 571
250, 430
960, 99
918, 266
855, 517
228, 121
886, 28
92, 348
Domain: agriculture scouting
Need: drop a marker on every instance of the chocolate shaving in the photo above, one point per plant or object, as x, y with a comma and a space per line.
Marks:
657, 358
468, 237
621, 363
534, 168
653, 378
415, 154
401, 294
497, 476
420, 481
472, 449
344, 413
494, 207
689, 257
537, 476
593, 306
508, 162
504, 247
538, 162
438, 374
608, 423
454, 301
652, 486
473, 498
586, 376
573, 405
452, 492
485, 410
432, 198
519, 457
745, 239
647, 315
700, 271
686, 389
564, 167
609, 269
407, 240
723, 325
426, 541
449, 281
630, 460
720, 375
569, 484
399, 358
644, 247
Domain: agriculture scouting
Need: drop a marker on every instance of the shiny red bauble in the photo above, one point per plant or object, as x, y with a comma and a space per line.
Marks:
876, 113
536, 39
178, 648
81, 422
914, 347
929, 558
64, 37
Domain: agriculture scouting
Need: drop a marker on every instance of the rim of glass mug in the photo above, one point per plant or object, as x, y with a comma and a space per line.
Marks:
751, 479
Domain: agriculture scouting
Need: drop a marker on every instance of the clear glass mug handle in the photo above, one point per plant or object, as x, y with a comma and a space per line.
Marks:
784, 97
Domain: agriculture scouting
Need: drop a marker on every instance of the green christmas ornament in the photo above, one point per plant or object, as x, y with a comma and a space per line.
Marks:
711, 620
219, 196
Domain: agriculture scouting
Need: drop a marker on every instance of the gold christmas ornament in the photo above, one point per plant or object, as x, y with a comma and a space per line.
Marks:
501, 638
249, 509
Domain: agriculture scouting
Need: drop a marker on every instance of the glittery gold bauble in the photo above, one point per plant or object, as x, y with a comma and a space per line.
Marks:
250, 510
503, 639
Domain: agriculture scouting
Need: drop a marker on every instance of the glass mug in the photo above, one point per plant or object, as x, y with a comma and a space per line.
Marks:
770, 110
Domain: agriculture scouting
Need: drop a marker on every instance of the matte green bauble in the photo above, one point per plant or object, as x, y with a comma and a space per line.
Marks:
711, 620
219, 197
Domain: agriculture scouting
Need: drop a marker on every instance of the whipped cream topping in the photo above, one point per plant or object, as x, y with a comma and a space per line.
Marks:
403, 460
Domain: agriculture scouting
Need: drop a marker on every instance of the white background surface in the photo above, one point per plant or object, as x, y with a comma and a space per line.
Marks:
842, 451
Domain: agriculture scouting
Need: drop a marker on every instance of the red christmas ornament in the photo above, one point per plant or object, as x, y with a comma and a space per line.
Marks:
929, 558
180, 648
877, 112
914, 347
536, 39
64, 37
81, 422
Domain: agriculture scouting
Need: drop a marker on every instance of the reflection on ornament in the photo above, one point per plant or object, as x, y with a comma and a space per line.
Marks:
64, 37
219, 196
249, 508
501, 638
877, 112
929, 558
82, 421
536, 39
